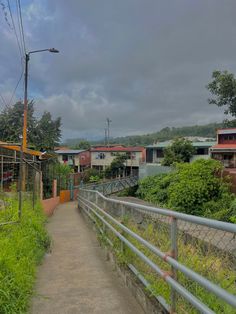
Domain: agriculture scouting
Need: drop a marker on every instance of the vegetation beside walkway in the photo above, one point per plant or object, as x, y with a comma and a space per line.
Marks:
214, 265
193, 188
22, 247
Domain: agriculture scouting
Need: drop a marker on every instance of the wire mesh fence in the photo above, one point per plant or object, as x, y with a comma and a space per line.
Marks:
20, 184
198, 254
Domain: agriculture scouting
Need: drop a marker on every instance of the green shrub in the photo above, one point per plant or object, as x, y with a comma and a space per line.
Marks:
22, 247
193, 188
131, 191
154, 189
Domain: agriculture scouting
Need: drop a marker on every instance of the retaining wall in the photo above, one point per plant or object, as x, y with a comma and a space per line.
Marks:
50, 204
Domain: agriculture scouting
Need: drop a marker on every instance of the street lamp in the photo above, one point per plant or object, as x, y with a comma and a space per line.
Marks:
27, 58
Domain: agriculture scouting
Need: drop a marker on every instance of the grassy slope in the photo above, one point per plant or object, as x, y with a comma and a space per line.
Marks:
22, 247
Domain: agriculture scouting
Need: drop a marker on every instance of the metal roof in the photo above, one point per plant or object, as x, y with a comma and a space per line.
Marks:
195, 144
69, 151
227, 131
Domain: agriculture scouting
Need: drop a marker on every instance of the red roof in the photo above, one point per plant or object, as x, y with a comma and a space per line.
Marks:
117, 149
226, 129
224, 146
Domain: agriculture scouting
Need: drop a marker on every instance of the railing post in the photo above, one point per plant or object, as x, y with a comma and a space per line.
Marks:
122, 221
96, 198
174, 254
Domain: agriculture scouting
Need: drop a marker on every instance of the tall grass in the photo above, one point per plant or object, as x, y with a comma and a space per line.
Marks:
22, 247
215, 266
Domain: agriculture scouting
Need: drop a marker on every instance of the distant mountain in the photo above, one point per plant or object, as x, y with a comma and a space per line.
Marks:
167, 133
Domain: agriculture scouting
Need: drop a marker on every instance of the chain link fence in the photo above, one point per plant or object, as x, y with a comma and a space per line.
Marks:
20, 184
189, 262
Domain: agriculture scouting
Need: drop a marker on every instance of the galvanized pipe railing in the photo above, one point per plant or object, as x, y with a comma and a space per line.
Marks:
111, 186
171, 258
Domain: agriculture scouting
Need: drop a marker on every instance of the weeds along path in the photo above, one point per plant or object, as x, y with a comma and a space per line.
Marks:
74, 277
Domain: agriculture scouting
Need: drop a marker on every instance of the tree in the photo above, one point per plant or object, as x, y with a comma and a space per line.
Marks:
48, 132
223, 89
117, 166
181, 150
44, 133
11, 122
82, 145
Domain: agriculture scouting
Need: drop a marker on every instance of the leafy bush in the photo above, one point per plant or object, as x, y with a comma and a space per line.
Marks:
130, 191
154, 189
193, 188
180, 150
94, 179
88, 173
22, 247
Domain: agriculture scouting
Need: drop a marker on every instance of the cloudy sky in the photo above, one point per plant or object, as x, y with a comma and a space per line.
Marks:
142, 63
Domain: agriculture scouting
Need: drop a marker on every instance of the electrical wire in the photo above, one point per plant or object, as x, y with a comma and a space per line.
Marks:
21, 25
20, 51
3, 100
5, 14
15, 32
19, 38
14, 91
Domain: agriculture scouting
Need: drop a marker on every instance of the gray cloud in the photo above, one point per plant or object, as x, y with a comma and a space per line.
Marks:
144, 64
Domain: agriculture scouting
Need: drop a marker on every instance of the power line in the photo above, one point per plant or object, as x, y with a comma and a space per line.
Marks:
21, 23
19, 27
17, 84
20, 47
15, 32
3, 100
5, 14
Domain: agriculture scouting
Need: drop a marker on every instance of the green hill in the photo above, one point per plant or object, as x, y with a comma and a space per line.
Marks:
167, 133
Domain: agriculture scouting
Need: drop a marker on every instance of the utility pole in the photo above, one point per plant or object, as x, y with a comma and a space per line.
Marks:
105, 140
27, 57
108, 132
24, 133
24, 142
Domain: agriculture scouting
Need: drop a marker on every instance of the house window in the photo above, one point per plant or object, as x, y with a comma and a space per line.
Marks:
202, 151
133, 156
65, 157
101, 156
159, 153
70, 160
115, 154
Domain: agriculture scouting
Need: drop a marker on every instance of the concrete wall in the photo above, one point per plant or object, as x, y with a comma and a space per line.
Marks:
146, 170
49, 205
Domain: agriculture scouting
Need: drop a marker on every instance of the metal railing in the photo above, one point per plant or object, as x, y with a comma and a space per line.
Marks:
194, 256
113, 186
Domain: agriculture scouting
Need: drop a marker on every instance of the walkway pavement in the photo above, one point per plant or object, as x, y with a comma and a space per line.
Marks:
75, 278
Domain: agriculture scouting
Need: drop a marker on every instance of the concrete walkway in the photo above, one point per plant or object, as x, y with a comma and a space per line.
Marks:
75, 278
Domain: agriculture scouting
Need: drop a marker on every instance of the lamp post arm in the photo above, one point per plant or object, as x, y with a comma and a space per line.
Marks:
41, 50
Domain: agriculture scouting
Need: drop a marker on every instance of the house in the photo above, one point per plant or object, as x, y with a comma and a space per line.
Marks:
77, 159
225, 149
155, 153
101, 157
